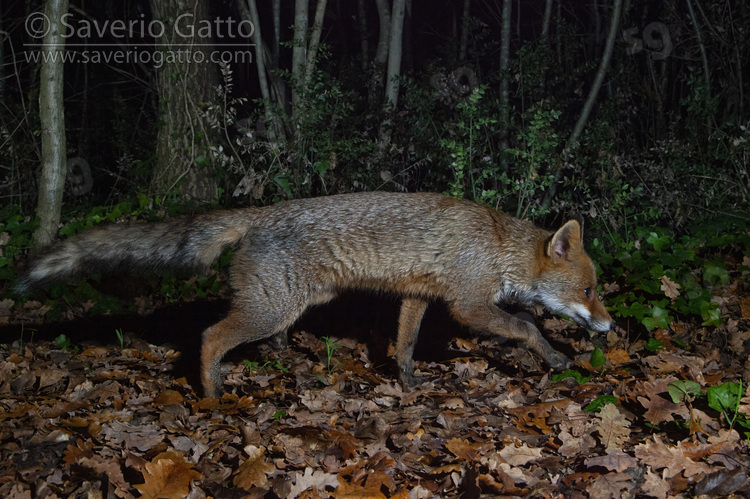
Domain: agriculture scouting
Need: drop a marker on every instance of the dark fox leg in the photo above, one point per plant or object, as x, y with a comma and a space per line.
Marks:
412, 311
217, 341
489, 318
261, 307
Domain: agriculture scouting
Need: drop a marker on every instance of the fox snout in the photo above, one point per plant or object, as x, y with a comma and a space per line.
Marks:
595, 317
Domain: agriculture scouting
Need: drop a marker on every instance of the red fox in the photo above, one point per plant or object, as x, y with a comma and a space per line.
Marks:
299, 253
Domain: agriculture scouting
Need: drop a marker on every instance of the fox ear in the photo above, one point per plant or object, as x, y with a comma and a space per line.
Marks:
565, 241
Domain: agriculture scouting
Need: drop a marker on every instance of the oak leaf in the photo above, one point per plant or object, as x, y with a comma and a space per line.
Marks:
672, 459
252, 472
659, 408
613, 427
520, 455
671, 289
655, 485
311, 479
167, 476
610, 485
614, 461
462, 449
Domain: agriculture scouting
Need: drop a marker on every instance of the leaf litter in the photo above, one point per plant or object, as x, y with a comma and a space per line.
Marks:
312, 422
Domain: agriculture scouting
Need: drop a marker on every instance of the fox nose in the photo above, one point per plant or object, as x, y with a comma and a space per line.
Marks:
612, 325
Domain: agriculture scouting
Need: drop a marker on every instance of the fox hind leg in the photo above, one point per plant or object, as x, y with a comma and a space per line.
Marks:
410, 318
217, 341
249, 320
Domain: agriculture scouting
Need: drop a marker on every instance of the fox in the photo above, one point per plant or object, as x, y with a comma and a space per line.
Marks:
299, 253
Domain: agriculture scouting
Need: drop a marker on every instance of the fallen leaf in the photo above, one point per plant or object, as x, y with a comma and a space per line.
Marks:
671, 289
311, 478
520, 454
613, 427
167, 476
254, 470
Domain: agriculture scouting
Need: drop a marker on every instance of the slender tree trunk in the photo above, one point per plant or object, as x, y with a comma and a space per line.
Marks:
394, 69
381, 52
299, 52
394, 53
250, 12
547, 18
572, 141
704, 56
465, 26
363, 45
185, 82
546, 21
276, 34
505, 82
51, 111
312, 50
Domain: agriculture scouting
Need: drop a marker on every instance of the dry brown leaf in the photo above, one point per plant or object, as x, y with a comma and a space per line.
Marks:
462, 449
610, 485
613, 427
252, 472
167, 476
575, 445
745, 307
168, 397
671, 289
311, 478
669, 458
660, 408
617, 460
520, 454
618, 356
470, 368
655, 485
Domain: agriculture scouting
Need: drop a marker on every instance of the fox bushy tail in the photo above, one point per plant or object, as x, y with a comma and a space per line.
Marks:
191, 243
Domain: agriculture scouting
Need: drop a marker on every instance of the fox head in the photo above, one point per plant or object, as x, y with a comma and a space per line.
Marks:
566, 279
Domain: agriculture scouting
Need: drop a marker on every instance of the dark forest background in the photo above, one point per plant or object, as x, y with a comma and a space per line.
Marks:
664, 140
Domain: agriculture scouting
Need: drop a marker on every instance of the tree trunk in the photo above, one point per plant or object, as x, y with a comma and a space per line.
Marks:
299, 52
276, 34
465, 26
505, 82
312, 49
52, 116
546, 21
249, 12
394, 70
381, 52
704, 57
362, 25
590, 100
394, 53
185, 82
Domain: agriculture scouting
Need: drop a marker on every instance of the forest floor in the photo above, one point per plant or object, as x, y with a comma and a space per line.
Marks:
328, 418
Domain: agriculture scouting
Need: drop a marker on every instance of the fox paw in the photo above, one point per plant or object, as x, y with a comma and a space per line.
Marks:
559, 361
410, 380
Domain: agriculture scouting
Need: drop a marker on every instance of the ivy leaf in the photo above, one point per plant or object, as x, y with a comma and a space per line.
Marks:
715, 273
597, 358
653, 345
569, 373
725, 397
683, 390
659, 318
599, 402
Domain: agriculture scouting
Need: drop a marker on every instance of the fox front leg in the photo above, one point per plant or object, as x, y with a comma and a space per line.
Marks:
489, 318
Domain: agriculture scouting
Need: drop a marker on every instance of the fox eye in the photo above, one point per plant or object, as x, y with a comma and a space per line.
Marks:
587, 292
